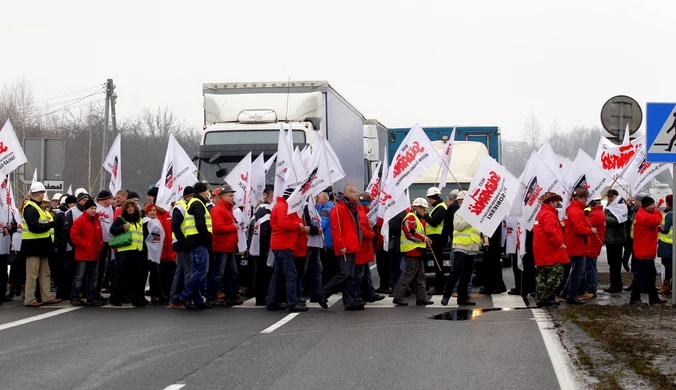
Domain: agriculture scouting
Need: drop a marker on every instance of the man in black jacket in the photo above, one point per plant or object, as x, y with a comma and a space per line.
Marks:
263, 230
198, 239
393, 247
183, 258
435, 231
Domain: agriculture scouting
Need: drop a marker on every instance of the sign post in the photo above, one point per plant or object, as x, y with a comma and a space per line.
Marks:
660, 137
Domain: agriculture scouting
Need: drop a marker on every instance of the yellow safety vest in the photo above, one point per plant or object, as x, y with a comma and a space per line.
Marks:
182, 205
667, 238
45, 217
189, 220
436, 229
467, 236
136, 230
407, 245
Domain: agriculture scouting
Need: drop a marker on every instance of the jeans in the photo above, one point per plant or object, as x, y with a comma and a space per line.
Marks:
91, 270
463, 266
591, 276
644, 280
197, 285
395, 270
363, 283
284, 265
223, 265
614, 252
181, 275
344, 279
314, 269
577, 267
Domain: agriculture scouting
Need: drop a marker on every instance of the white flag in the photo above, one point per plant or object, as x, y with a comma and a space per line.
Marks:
257, 178
587, 174
392, 208
284, 161
70, 190
294, 176
615, 159
238, 178
313, 183
383, 180
619, 209
549, 157
374, 189
415, 154
35, 177
490, 195
178, 172
269, 162
639, 172
536, 179
11, 153
112, 165
520, 244
335, 169
446, 165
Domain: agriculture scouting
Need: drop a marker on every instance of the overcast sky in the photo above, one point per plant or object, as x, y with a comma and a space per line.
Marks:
433, 62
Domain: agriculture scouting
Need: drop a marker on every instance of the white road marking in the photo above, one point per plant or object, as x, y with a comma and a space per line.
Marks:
279, 323
37, 318
505, 300
175, 386
558, 356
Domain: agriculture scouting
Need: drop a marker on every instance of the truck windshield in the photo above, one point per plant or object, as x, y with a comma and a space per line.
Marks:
249, 137
208, 171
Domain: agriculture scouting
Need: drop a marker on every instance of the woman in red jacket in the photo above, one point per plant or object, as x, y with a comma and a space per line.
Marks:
87, 237
578, 233
647, 224
363, 282
224, 244
549, 250
168, 258
597, 219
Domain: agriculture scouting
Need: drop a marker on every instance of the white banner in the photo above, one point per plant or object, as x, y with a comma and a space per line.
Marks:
587, 174
257, 178
313, 183
178, 171
639, 172
11, 153
393, 207
269, 162
415, 154
374, 189
383, 179
619, 209
113, 165
335, 169
446, 163
284, 155
614, 159
520, 244
552, 160
490, 195
238, 178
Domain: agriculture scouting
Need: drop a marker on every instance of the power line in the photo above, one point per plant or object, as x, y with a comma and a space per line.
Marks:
71, 106
73, 93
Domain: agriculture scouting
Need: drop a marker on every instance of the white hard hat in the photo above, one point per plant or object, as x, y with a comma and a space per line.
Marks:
37, 187
433, 191
461, 195
420, 202
62, 199
80, 191
57, 196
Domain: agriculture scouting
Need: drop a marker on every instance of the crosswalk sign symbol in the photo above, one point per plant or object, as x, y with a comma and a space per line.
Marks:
661, 132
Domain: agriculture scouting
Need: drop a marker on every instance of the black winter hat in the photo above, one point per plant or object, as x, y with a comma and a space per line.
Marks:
188, 191
103, 195
153, 192
71, 199
133, 195
82, 196
89, 203
647, 201
199, 187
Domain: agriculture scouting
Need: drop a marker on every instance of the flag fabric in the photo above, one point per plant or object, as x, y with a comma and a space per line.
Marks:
615, 159
446, 164
618, 207
178, 171
374, 189
520, 245
548, 156
640, 172
11, 153
269, 162
313, 183
393, 207
415, 154
238, 178
295, 175
383, 179
490, 195
536, 179
70, 190
112, 164
284, 161
587, 174
35, 177
257, 178
335, 169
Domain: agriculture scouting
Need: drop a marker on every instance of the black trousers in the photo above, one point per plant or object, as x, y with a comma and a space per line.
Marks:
463, 264
17, 274
3, 276
329, 264
104, 269
528, 277
517, 273
129, 276
614, 252
383, 268
438, 250
645, 278
153, 269
564, 280
167, 270
263, 275
492, 267
62, 267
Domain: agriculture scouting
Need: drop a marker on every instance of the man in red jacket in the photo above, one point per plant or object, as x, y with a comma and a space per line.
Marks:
347, 240
647, 224
285, 233
597, 219
578, 233
87, 238
224, 246
549, 250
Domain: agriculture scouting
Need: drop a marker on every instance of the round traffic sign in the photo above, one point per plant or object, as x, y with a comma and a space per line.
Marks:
619, 112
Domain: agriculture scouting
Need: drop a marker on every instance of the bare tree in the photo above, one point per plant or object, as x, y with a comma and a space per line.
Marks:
17, 103
532, 132
159, 124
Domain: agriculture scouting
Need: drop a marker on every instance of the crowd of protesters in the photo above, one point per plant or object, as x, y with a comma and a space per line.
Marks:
80, 247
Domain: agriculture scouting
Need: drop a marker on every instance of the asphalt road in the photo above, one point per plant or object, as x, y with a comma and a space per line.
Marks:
381, 347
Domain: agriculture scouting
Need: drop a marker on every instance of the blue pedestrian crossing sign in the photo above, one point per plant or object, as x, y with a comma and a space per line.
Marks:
661, 132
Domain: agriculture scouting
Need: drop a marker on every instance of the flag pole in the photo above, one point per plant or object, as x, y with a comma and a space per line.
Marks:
435, 257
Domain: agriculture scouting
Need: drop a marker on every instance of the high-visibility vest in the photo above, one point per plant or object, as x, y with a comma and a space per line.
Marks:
467, 236
136, 230
182, 206
189, 220
45, 217
407, 245
667, 238
436, 229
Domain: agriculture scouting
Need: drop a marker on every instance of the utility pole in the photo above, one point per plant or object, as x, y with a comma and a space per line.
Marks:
113, 100
104, 146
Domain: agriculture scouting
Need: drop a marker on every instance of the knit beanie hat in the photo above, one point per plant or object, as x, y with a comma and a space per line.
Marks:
647, 201
89, 203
